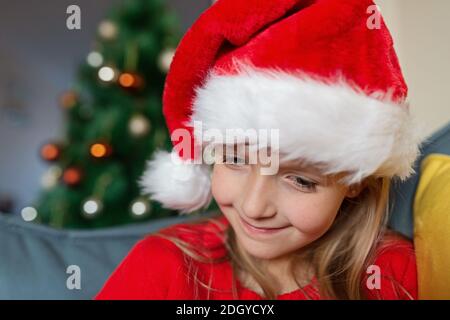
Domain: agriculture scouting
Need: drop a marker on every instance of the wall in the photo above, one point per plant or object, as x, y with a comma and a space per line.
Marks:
421, 31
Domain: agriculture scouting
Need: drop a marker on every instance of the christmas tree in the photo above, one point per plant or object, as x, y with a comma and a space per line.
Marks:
114, 123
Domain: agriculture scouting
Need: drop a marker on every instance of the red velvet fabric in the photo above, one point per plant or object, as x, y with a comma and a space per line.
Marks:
156, 268
321, 38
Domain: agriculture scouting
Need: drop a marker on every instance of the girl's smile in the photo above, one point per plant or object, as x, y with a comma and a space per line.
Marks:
254, 231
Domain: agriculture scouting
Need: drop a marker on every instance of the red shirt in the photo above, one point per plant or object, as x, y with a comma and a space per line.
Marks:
156, 268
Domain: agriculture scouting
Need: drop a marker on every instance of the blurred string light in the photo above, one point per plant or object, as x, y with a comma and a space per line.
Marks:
107, 74
139, 125
107, 30
95, 59
128, 80
68, 99
72, 176
29, 213
140, 207
50, 178
100, 150
50, 152
92, 207
165, 59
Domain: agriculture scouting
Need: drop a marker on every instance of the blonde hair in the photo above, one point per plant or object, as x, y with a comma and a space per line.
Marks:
339, 259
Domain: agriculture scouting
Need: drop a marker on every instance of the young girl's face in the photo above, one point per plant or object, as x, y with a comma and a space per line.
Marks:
274, 215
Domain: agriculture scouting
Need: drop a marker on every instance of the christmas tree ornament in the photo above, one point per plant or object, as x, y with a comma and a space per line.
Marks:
139, 125
50, 178
94, 59
132, 81
92, 207
72, 176
29, 213
68, 99
100, 150
165, 59
140, 207
50, 152
107, 74
107, 30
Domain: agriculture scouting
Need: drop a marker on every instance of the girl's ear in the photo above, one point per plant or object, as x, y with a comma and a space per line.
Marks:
355, 189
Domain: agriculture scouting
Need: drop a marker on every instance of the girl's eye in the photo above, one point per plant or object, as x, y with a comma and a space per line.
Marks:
303, 183
233, 160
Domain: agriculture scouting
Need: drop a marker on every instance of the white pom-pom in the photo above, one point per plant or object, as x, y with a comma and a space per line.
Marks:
175, 183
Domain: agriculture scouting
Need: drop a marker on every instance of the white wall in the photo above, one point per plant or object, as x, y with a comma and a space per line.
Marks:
421, 31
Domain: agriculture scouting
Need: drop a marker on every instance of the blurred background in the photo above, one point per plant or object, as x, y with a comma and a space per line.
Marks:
67, 97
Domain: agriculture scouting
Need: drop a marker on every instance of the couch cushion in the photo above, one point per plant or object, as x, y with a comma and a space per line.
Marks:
34, 258
432, 227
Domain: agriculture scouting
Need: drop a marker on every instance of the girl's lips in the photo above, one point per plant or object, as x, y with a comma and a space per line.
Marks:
255, 230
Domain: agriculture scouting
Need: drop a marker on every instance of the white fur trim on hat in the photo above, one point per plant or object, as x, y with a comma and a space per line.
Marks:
175, 183
326, 122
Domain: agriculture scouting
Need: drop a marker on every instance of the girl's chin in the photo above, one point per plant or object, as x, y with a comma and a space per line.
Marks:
259, 250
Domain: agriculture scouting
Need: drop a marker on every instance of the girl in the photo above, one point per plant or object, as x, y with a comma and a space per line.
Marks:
325, 76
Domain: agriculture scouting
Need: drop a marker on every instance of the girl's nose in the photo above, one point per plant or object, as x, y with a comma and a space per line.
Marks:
257, 197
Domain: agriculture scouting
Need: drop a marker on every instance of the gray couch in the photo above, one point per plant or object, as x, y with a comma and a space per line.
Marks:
34, 259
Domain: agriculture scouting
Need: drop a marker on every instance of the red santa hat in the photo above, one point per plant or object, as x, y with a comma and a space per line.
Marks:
322, 72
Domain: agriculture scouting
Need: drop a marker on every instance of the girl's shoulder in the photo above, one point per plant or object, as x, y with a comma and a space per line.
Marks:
395, 267
146, 272
395, 249
154, 265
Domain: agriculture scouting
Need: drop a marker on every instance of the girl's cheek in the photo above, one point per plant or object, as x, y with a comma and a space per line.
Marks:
313, 216
224, 185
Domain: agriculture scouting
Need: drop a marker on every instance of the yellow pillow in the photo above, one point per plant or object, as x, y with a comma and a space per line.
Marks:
432, 227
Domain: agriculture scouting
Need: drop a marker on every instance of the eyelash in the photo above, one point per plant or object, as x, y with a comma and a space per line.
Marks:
306, 184
240, 161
